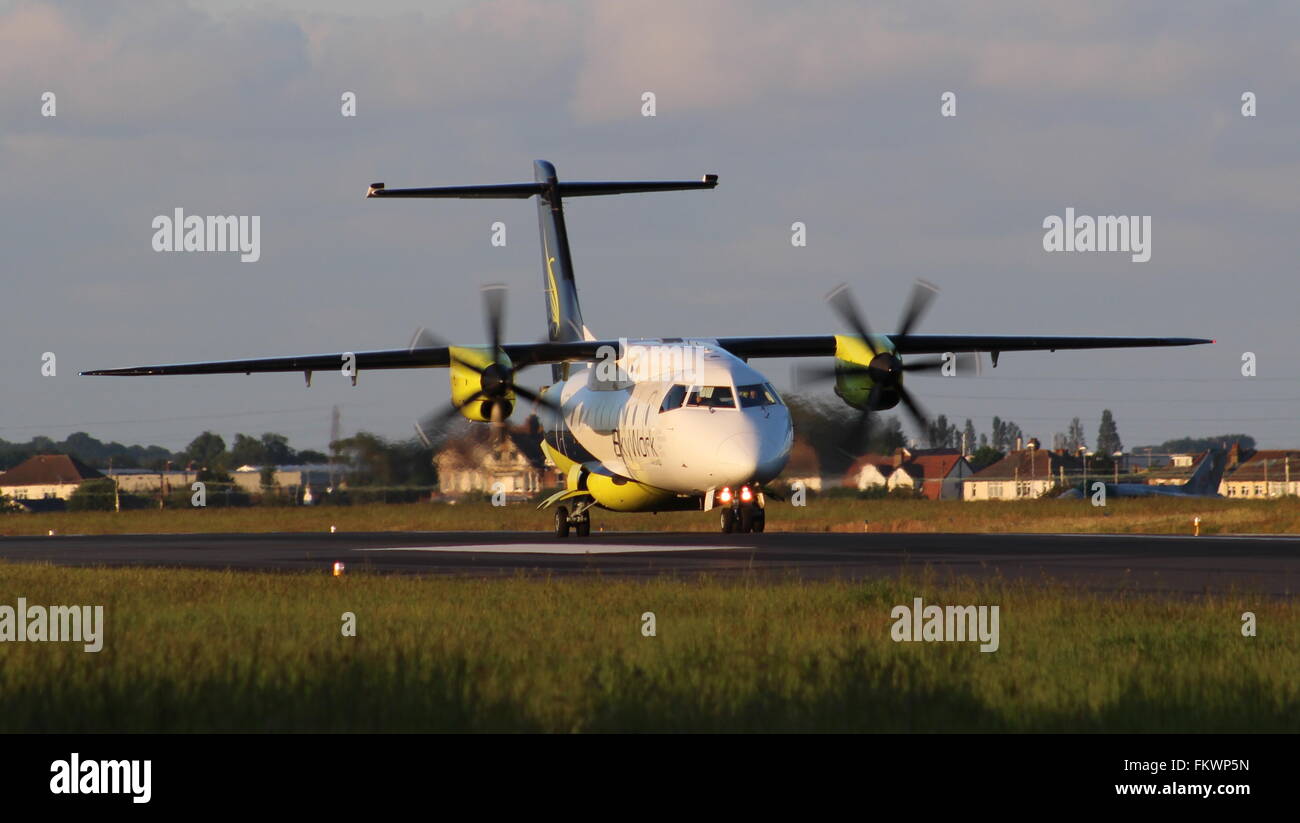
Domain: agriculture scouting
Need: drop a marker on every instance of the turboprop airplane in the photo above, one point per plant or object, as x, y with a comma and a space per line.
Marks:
661, 424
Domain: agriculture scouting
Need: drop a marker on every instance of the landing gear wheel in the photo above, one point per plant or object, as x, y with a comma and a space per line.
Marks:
583, 526
747, 519
561, 522
728, 521
760, 520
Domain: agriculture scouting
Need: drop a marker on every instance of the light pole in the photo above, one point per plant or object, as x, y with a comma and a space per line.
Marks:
1118, 457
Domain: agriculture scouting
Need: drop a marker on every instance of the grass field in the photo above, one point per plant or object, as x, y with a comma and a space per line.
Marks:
1152, 516
195, 650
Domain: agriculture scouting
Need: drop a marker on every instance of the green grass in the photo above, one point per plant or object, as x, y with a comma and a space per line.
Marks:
197, 650
1150, 516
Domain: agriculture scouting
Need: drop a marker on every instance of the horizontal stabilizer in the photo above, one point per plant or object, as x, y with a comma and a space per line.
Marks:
566, 189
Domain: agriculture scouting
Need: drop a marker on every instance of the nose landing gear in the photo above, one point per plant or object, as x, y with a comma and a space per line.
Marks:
741, 511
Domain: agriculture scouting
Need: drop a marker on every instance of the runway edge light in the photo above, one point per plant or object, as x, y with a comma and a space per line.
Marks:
338, 568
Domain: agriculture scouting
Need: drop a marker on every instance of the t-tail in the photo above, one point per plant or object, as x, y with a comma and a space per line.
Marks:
563, 314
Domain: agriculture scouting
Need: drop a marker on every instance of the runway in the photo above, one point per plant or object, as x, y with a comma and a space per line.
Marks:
1259, 564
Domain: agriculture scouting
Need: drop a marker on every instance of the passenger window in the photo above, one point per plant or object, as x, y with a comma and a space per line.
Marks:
673, 399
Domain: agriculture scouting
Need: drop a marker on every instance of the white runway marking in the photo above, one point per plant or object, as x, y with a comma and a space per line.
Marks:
550, 548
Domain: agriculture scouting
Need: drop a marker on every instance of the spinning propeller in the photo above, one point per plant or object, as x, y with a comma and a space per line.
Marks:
496, 377
886, 369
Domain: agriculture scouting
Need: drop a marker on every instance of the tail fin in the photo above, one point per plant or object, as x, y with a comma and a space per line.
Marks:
1205, 480
563, 314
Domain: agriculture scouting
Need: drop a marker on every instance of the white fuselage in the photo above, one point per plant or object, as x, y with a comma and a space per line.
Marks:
681, 416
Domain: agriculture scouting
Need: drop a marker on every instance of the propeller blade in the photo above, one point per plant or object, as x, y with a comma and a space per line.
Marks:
841, 300
498, 422
437, 421
923, 292
913, 408
963, 365
924, 365
539, 399
494, 305
423, 436
425, 339
859, 437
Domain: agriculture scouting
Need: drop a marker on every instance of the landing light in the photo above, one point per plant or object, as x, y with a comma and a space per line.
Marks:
725, 495
745, 494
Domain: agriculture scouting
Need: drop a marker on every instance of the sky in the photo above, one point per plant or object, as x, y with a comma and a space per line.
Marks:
826, 113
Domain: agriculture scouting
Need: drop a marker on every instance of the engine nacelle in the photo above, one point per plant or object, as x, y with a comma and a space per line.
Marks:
474, 371
855, 388
623, 495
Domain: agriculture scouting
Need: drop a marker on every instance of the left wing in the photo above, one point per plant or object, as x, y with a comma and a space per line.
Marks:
521, 354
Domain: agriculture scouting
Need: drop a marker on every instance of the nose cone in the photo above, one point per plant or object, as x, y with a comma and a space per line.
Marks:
758, 449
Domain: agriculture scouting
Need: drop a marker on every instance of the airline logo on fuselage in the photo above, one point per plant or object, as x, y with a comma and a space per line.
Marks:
638, 443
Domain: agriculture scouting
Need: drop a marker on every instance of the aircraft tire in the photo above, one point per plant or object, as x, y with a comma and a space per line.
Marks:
561, 522
728, 521
746, 519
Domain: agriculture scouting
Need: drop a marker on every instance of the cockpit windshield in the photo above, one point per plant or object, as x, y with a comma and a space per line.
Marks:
759, 394
711, 397
674, 398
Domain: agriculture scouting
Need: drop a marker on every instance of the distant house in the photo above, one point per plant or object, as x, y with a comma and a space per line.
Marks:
938, 473
803, 467
1023, 473
479, 460
869, 471
45, 480
935, 473
1260, 473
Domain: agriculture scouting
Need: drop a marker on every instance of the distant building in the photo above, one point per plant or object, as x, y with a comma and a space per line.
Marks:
145, 482
291, 480
45, 480
1023, 473
870, 471
936, 473
479, 460
1260, 473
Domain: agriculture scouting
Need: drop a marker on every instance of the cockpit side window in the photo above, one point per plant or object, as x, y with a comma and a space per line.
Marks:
758, 394
711, 397
674, 398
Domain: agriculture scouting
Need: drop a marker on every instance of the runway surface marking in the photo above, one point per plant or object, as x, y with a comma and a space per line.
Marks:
551, 548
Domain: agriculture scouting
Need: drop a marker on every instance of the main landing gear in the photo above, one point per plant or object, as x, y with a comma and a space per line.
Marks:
741, 511
579, 521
